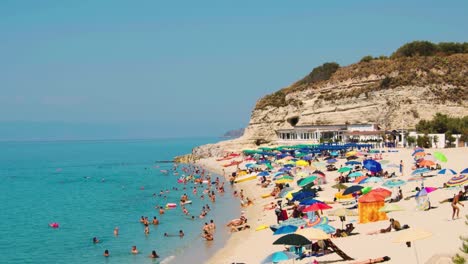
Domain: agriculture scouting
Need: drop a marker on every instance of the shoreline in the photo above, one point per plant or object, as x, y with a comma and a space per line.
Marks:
252, 246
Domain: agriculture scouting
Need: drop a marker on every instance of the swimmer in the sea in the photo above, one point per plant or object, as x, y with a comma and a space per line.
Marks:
106, 253
116, 231
181, 234
155, 221
95, 240
134, 250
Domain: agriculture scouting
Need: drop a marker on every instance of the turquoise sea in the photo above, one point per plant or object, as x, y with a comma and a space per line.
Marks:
90, 187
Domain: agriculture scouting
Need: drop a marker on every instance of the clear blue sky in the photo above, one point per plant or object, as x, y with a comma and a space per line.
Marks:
132, 69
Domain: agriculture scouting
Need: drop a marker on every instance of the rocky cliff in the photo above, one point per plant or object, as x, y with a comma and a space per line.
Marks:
395, 93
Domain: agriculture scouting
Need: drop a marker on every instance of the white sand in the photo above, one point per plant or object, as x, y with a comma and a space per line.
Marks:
252, 246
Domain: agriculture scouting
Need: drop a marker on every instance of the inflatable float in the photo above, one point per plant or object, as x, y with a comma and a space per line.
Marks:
245, 178
171, 205
187, 202
266, 195
54, 225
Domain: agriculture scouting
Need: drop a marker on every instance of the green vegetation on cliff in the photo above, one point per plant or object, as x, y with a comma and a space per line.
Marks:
418, 63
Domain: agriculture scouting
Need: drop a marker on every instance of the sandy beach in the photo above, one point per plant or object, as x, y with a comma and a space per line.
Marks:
250, 246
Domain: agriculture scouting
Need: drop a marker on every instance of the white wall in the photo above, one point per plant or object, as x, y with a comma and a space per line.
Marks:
361, 127
440, 139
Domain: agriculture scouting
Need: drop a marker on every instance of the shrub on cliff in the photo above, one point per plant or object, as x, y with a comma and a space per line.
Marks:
427, 48
320, 73
367, 58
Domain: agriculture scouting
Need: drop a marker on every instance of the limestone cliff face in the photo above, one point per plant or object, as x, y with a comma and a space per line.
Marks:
394, 93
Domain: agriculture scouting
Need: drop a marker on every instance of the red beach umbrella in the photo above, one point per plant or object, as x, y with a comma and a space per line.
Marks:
316, 207
381, 191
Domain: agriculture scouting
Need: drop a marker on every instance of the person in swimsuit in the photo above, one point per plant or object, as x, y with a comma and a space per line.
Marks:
134, 250
455, 202
106, 253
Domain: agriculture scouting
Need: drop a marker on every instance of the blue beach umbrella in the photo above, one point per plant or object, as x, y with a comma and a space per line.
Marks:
372, 180
372, 165
420, 171
417, 150
263, 173
310, 201
301, 195
331, 161
286, 229
464, 171
250, 165
285, 169
308, 157
334, 153
278, 257
447, 172
394, 183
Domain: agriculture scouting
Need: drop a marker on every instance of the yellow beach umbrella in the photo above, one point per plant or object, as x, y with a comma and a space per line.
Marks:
351, 153
313, 233
281, 181
302, 163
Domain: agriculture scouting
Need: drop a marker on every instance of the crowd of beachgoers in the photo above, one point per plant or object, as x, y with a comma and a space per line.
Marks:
308, 197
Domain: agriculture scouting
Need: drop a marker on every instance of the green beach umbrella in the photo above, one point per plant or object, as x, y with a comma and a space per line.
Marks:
440, 156
344, 169
306, 181
366, 189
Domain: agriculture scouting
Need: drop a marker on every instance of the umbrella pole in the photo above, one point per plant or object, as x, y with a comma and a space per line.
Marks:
415, 252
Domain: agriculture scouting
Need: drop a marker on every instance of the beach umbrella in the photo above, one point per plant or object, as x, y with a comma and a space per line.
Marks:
371, 197
285, 229
372, 180
301, 195
310, 201
284, 192
307, 186
251, 165
352, 189
308, 157
411, 235
440, 156
464, 171
344, 169
426, 163
313, 234
382, 191
293, 240
283, 181
279, 173
339, 186
416, 150
355, 174
351, 153
316, 207
263, 173
305, 181
326, 228
420, 171
334, 153
366, 190
302, 163
360, 179
390, 207
394, 183
372, 165
447, 172
419, 155
284, 169
318, 172
278, 257
353, 162
458, 180
330, 161
374, 151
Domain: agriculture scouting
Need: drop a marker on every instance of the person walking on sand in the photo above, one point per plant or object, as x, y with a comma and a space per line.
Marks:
455, 202
401, 167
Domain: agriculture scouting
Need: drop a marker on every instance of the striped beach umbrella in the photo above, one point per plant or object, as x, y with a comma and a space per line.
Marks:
458, 180
420, 171
447, 172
